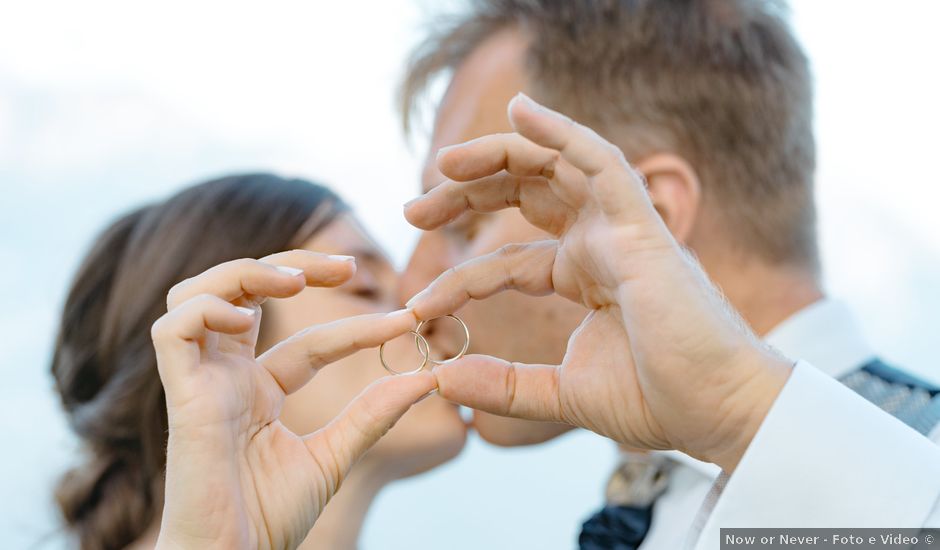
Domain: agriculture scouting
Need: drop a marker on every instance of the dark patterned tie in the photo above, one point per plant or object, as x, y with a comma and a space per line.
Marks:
631, 492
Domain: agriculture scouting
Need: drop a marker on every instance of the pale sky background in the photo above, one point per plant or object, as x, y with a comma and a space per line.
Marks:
104, 104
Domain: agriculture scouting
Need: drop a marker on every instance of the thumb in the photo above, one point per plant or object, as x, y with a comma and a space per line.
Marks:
500, 387
340, 444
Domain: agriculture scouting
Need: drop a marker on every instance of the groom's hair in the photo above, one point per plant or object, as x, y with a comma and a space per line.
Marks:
723, 83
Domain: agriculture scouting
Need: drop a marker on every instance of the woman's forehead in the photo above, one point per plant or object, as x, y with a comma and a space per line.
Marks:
346, 235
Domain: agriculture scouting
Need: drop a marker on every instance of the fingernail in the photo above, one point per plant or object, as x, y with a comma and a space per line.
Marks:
416, 298
443, 150
341, 258
399, 313
412, 201
528, 100
292, 271
245, 311
521, 97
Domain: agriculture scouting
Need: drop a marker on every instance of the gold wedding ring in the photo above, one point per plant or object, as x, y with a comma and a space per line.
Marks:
424, 348
418, 338
463, 350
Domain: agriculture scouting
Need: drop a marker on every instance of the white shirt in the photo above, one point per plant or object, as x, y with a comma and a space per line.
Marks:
826, 457
825, 335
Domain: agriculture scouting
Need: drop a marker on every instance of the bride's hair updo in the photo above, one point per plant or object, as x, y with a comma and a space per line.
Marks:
104, 365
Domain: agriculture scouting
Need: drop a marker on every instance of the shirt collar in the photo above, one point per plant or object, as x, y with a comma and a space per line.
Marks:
824, 334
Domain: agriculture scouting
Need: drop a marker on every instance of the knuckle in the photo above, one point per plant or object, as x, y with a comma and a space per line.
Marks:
242, 264
512, 250
159, 329
554, 157
640, 176
313, 353
549, 166
203, 301
368, 420
510, 384
173, 296
614, 152
452, 274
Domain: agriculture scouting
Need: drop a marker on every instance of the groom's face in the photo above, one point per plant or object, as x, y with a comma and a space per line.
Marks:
509, 325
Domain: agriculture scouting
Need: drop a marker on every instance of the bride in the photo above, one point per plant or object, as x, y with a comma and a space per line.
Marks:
105, 369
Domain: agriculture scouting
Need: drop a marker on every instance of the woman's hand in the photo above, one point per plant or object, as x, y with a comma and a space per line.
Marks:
662, 362
236, 478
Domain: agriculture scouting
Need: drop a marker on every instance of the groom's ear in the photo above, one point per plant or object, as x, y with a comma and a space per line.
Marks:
675, 190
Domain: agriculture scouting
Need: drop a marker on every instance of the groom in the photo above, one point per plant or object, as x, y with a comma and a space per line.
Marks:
712, 102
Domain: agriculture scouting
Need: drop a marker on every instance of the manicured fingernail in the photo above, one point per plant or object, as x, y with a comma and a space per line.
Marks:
416, 298
292, 271
399, 313
526, 99
245, 311
443, 150
341, 258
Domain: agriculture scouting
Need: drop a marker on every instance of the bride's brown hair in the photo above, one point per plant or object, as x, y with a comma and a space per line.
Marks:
104, 365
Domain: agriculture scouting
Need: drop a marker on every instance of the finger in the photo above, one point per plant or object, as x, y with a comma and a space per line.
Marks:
490, 154
178, 334
502, 432
620, 190
365, 420
531, 194
517, 155
293, 362
320, 270
523, 267
500, 387
278, 276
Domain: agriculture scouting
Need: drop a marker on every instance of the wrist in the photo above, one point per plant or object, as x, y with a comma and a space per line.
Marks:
198, 535
763, 378
168, 540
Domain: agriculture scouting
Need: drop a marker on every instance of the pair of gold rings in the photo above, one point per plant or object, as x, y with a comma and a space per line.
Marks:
424, 348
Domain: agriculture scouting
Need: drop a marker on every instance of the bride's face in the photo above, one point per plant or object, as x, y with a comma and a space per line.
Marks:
432, 432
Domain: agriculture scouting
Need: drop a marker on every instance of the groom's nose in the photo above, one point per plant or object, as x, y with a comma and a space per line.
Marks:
431, 257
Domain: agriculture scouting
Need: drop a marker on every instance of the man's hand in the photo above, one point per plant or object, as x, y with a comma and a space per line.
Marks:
662, 362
